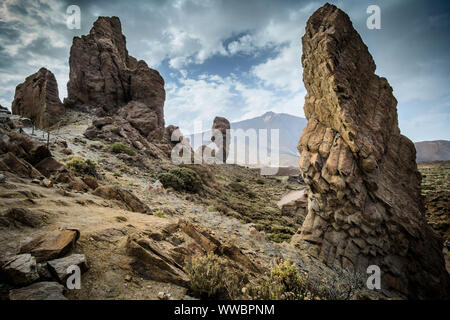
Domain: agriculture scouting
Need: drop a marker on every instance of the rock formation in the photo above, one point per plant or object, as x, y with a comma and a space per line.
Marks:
103, 75
37, 99
221, 124
364, 199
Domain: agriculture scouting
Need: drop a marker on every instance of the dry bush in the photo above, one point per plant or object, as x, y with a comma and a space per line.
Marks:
211, 278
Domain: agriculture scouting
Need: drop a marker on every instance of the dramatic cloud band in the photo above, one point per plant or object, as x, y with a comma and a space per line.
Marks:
237, 58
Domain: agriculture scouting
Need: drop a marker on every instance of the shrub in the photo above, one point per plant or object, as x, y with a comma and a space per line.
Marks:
181, 179
283, 283
251, 194
280, 237
260, 181
237, 187
121, 148
83, 166
159, 213
211, 278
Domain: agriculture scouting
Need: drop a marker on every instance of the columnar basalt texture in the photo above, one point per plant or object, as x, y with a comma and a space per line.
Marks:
223, 125
102, 74
37, 98
364, 200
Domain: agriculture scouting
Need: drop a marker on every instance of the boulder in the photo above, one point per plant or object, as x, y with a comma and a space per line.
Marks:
51, 245
58, 267
131, 202
221, 137
9, 162
37, 99
155, 188
153, 263
364, 199
39, 291
49, 166
91, 182
20, 270
104, 76
23, 217
141, 118
172, 134
38, 153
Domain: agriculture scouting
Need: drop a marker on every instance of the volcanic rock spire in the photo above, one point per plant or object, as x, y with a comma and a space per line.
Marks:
37, 99
364, 199
103, 75
221, 129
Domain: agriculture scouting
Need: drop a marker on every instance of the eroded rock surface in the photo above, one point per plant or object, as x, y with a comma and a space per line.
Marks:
223, 126
39, 291
104, 76
364, 202
37, 99
21, 269
51, 245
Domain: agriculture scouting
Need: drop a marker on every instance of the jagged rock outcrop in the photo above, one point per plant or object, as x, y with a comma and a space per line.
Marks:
364, 200
51, 245
37, 99
130, 201
4, 110
103, 75
223, 126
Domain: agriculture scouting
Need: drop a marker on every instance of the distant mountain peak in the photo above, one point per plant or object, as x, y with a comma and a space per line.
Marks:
268, 116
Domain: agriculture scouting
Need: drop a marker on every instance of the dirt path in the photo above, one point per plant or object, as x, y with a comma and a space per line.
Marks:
290, 197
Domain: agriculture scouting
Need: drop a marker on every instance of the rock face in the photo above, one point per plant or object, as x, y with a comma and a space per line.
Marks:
39, 291
59, 267
364, 200
51, 245
130, 201
103, 75
21, 269
221, 124
37, 99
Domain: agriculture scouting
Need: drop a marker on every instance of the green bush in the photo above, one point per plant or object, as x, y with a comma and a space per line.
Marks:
211, 278
181, 179
283, 283
121, 148
237, 187
260, 181
82, 166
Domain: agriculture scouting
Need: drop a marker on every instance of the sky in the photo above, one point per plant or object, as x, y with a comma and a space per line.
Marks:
239, 59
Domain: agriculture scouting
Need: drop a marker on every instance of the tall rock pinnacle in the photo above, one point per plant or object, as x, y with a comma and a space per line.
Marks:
222, 125
364, 199
102, 74
37, 99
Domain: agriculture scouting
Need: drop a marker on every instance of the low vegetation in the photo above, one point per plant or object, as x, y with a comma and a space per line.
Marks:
244, 194
211, 278
286, 282
283, 283
82, 166
121, 148
181, 179
436, 191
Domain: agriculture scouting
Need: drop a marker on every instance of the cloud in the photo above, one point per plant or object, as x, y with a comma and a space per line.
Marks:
243, 45
201, 99
197, 45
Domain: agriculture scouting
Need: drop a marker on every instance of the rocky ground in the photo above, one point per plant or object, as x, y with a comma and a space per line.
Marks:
102, 192
259, 225
105, 225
